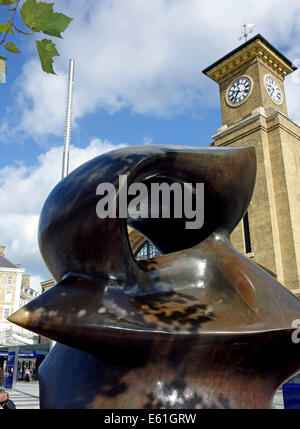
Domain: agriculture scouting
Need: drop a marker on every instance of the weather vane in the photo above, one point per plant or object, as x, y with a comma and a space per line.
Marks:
246, 29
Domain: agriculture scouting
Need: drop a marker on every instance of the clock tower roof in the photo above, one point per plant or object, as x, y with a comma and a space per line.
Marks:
255, 47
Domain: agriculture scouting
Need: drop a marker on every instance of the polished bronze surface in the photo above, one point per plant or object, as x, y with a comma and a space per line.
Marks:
199, 327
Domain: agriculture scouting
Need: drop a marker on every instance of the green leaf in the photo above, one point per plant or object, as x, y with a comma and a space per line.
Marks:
4, 27
47, 50
3, 58
11, 47
8, 2
39, 16
57, 24
35, 14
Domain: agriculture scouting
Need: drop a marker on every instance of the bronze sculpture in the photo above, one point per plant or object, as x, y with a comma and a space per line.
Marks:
199, 327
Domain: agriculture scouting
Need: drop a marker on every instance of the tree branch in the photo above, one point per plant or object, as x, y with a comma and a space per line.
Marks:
20, 31
11, 22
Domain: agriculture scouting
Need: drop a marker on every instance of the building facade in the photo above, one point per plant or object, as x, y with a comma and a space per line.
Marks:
15, 292
254, 113
10, 289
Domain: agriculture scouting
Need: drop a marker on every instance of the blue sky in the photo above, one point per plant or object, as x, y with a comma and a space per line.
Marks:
138, 79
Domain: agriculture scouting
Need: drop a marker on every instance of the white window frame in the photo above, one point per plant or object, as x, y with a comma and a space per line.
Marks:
6, 308
9, 280
8, 292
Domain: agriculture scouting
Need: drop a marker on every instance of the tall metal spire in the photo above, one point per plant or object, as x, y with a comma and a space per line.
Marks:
68, 121
67, 133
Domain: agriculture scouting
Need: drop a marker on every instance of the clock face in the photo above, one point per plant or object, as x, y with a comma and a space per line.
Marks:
273, 89
239, 90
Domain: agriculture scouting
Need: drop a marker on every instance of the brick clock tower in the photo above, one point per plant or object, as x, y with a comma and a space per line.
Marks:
254, 113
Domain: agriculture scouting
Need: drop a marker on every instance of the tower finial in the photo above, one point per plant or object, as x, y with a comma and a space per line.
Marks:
246, 29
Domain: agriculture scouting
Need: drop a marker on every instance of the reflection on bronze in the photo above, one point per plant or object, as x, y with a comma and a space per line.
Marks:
199, 327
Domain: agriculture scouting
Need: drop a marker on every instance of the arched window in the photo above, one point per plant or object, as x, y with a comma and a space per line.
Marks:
147, 250
247, 239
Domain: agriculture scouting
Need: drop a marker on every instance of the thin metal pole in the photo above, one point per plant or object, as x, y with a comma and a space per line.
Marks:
67, 135
68, 123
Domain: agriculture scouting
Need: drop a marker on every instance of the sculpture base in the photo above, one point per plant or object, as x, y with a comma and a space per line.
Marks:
206, 371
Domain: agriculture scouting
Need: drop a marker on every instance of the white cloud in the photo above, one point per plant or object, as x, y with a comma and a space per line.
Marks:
147, 140
147, 56
23, 190
35, 282
42, 100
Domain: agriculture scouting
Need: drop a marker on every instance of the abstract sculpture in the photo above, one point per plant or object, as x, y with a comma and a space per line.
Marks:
199, 327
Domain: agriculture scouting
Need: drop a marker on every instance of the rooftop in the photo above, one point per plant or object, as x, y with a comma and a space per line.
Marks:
29, 292
15, 338
5, 263
256, 46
